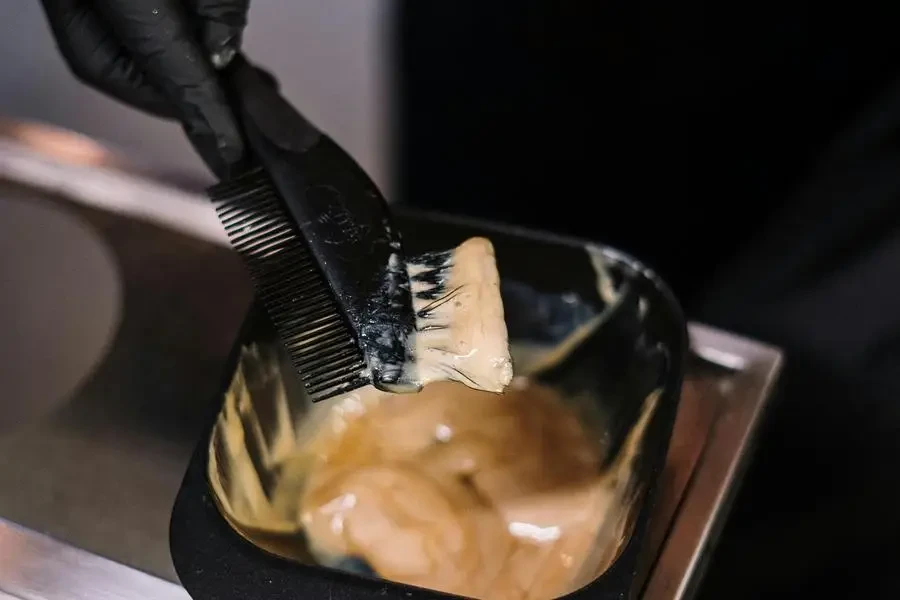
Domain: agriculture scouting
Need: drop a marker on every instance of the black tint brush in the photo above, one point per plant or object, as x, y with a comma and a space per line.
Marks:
316, 236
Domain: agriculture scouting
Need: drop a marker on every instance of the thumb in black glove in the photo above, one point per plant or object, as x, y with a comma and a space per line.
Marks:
159, 56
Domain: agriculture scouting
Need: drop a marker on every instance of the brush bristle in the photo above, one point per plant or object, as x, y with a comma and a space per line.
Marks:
291, 286
460, 330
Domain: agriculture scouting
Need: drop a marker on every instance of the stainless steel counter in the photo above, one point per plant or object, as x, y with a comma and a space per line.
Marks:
99, 465
37, 567
713, 439
87, 483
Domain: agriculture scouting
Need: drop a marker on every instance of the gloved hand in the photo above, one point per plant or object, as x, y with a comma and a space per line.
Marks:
160, 56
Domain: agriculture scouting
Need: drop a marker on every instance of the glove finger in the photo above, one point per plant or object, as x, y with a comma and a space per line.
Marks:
158, 35
269, 79
97, 59
223, 25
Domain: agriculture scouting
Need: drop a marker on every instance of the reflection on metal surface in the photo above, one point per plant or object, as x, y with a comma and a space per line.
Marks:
33, 566
59, 309
100, 469
719, 357
707, 499
112, 189
65, 146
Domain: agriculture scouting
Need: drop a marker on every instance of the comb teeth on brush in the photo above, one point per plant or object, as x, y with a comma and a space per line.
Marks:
315, 234
320, 343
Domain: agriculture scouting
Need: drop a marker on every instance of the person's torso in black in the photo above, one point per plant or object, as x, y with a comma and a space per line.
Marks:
670, 130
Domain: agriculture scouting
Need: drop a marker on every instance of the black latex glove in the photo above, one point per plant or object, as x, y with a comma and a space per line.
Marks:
160, 56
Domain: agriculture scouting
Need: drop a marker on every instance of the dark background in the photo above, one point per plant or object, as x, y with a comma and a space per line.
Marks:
749, 153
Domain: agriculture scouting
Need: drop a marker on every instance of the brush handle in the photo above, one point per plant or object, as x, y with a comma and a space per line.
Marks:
340, 213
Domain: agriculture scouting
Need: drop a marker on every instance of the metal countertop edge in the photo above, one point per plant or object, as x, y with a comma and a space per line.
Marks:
706, 502
34, 566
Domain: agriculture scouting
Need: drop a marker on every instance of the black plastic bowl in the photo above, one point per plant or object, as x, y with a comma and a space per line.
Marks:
641, 347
